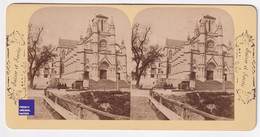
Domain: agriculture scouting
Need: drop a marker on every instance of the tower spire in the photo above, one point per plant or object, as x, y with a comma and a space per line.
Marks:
196, 30
188, 37
229, 43
112, 22
219, 23
89, 24
89, 29
220, 29
203, 25
122, 41
112, 26
81, 35
196, 26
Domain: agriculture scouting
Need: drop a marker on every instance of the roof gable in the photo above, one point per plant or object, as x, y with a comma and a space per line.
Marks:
209, 17
171, 43
101, 16
67, 43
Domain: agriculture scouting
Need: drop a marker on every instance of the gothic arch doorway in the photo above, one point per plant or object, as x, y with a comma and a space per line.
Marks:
103, 67
193, 73
210, 71
225, 74
86, 72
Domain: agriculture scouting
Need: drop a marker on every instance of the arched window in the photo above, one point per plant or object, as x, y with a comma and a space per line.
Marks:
210, 69
102, 25
63, 54
102, 44
209, 26
169, 69
210, 45
62, 68
170, 54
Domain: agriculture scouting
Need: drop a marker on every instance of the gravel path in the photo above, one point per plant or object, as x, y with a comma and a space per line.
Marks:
141, 109
41, 111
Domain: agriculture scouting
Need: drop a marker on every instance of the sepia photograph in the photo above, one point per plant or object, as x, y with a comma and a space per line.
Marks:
90, 64
78, 63
129, 67
183, 64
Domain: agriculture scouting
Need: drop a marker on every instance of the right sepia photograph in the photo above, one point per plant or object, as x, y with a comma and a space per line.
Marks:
182, 64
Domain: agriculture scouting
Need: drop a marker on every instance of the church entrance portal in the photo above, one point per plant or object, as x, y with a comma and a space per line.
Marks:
225, 77
210, 71
103, 70
103, 74
193, 76
210, 75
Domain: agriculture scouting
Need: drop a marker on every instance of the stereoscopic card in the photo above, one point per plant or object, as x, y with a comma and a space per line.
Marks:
131, 67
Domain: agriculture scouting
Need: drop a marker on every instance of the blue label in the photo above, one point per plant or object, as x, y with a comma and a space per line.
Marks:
26, 107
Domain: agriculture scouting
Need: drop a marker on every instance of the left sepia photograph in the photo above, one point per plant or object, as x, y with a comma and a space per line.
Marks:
78, 63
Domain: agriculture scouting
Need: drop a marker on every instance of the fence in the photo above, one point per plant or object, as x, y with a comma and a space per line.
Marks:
175, 110
72, 110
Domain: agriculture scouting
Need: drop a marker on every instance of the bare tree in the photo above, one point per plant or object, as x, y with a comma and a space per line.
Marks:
144, 54
38, 54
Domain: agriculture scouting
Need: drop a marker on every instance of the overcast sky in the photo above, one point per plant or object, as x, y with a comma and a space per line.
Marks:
70, 22
176, 23
173, 23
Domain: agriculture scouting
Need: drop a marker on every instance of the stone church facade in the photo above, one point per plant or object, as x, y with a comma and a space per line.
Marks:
96, 55
202, 57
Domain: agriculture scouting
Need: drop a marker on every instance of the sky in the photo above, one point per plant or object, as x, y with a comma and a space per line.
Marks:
172, 23
71, 22
177, 23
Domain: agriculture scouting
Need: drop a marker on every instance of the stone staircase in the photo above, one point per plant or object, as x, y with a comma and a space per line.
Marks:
106, 84
212, 85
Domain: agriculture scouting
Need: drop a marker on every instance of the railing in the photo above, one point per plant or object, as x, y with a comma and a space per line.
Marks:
78, 108
179, 109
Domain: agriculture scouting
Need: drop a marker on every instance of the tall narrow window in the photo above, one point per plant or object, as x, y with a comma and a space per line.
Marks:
86, 75
169, 69
170, 54
63, 54
209, 26
62, 68
102, 25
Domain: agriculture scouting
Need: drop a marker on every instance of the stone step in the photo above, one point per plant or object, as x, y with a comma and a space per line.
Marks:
107, 84
213, 85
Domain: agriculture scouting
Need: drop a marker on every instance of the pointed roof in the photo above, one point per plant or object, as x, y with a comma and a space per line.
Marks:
104, 59
196, 26
172, 43
122, 42
120, 46
207, 16
219, 23
112, 21
89, 25
203, 20
229, 42
67, 43
212, 60
101, 16
188, 37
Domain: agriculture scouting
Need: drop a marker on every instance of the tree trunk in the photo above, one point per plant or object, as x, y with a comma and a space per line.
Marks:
138, 81
136, 75
31, 81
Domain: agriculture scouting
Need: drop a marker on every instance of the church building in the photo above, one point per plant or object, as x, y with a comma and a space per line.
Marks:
96, 55
201, 57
